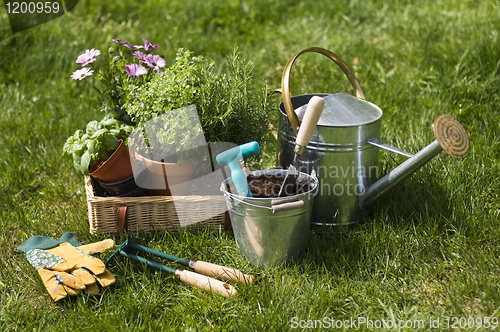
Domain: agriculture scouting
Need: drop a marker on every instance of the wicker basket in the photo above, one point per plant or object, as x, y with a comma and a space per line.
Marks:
111, 215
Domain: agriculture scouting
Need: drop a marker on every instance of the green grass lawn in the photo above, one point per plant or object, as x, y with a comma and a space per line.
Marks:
432, 247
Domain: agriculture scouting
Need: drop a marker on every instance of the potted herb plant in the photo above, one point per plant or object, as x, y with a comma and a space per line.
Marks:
172, 147
227, 108
101, 151
185, 104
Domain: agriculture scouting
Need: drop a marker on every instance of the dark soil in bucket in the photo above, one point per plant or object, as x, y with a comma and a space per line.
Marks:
268, 186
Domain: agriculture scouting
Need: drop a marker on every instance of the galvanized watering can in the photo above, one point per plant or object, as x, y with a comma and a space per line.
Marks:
344, 149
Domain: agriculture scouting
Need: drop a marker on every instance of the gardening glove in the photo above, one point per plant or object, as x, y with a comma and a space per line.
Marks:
104, 279
80, 259
97, 247
58, 284
44, 242
87, 269
86, 276
83, 276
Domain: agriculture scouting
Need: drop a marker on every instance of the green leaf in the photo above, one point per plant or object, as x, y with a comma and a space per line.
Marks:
99, 134
78, 147
104, 155
110, 142
68, 146
92, 127
76, 161
112, 115
73, 142
78, 134
126, 130
85, 163
92, 147
116, 132
111, 124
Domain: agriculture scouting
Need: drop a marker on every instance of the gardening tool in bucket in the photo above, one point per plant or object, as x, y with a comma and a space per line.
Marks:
311, 117
232, 158
271, 231
343, 149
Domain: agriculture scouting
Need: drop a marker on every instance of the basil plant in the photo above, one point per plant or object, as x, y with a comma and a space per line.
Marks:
99, 141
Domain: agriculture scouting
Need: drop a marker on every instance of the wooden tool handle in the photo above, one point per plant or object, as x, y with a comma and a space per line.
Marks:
206, 283
310, 120
287, 206
225, 272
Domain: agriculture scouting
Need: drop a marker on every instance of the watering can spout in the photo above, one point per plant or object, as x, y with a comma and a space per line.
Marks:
450, 137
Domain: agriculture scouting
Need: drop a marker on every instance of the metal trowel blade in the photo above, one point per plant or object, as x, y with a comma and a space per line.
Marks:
289, 182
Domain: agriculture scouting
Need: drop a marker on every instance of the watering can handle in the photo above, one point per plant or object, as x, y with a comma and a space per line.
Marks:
287, 102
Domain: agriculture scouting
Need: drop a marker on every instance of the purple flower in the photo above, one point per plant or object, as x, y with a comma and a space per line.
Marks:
80, 74
135, 70
141, 56
148, 46
132, 47
120, 41
88, 57
156, 62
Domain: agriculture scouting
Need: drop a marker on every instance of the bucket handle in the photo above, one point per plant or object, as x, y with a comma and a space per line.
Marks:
285, 80
281, 206
291, 205
287, 206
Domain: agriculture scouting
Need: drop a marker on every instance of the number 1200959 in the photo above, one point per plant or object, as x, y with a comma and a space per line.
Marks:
32, 7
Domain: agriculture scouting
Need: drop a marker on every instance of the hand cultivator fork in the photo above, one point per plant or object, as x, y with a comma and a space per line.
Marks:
203, 274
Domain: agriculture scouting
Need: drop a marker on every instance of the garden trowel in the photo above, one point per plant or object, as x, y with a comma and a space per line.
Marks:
311, 117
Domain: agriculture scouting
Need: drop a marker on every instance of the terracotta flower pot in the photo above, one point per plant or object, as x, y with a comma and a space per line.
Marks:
118, 167
169, 174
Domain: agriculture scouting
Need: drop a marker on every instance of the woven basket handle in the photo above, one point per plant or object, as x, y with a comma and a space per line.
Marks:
285, 80
121, 219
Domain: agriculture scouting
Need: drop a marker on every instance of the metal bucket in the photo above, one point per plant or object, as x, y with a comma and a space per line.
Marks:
268, 238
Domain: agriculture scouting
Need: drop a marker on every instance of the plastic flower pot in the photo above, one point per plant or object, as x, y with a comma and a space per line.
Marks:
137, 192
118, 167
161, 176
127, 187
96, 165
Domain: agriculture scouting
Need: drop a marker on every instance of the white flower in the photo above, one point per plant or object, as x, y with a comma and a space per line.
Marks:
80, 74
88, 57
